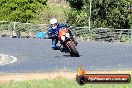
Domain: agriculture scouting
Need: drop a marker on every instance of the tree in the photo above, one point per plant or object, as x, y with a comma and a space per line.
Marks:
110, 13
106, 13
77, 18
77, 15
77, 4
20, 10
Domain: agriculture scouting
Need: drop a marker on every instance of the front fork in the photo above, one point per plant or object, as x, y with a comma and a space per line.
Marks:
65, 45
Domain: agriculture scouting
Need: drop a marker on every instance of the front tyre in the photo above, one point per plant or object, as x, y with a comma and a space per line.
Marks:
73, 51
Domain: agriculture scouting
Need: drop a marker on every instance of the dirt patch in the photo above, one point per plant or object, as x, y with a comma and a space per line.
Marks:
50, 75
34, 76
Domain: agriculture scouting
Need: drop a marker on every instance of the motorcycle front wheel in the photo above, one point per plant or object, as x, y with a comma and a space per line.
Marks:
73, 52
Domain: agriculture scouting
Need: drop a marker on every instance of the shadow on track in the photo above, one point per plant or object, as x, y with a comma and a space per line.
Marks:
70, 55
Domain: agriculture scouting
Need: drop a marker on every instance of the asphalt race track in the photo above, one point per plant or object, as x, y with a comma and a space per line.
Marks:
36, 55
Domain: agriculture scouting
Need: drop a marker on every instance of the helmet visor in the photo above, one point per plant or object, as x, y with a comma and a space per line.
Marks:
54, 26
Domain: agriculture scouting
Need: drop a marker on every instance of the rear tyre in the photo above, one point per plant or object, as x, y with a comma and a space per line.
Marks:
73, 51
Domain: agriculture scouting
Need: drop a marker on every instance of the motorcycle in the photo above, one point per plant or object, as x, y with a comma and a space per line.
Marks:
67, 44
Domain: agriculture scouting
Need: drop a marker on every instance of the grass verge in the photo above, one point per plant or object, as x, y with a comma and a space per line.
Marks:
54, 80
59, 83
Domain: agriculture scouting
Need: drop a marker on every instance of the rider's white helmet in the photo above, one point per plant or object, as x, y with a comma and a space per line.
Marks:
53, 21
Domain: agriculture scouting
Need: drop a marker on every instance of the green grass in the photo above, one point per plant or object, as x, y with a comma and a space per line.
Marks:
58, 11
59, 83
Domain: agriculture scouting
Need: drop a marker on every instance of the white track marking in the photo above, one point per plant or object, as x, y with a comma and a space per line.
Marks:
13, 59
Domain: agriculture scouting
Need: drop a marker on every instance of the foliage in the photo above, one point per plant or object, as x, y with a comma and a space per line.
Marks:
77, 18
3, 26
50, 11
130, 20
20, 10
106, 13
112, 14
77, 4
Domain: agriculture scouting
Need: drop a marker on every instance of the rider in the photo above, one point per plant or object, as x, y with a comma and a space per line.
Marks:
53, 32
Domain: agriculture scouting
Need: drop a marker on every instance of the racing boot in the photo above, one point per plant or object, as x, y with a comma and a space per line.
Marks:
54, 47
